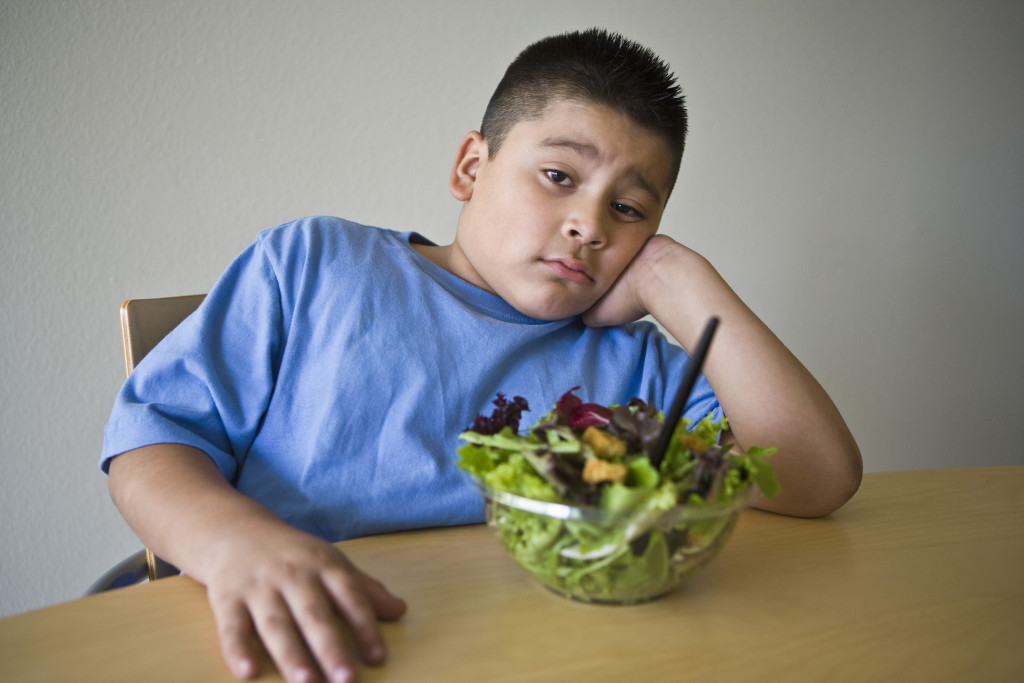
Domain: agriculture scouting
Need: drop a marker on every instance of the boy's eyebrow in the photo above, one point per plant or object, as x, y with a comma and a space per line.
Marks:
590, 151
582, 148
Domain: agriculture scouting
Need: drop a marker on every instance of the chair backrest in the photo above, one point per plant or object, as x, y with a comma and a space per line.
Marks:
144, 322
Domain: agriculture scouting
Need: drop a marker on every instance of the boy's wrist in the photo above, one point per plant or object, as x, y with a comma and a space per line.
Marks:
676, 284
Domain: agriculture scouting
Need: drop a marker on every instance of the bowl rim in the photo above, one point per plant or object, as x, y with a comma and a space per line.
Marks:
592, 513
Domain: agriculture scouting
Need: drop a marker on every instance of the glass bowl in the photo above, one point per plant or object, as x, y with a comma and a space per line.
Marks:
587, 554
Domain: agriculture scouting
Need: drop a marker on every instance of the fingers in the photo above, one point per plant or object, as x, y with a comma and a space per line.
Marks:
308, 620
238, 645
361, 601
301, 632
385, 605
305, 623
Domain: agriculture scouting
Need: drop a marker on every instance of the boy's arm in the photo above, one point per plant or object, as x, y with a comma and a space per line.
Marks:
767, 394
298, 594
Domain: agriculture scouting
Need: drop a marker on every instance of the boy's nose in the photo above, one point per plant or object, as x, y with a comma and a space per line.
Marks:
584, 225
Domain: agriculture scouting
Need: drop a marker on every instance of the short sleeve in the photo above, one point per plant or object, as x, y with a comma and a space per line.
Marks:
208, 383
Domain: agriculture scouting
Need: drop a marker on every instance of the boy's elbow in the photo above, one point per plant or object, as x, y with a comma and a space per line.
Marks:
819, 490
846, 483
839, 482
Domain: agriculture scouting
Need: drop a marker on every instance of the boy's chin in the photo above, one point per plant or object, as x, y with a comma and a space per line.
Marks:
550, 311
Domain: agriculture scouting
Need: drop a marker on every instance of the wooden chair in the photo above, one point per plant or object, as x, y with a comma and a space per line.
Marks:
144, 322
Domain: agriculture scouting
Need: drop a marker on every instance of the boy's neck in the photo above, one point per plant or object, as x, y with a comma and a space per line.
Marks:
437, 255
450, 258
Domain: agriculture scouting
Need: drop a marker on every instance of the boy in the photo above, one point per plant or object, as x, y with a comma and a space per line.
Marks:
318, 392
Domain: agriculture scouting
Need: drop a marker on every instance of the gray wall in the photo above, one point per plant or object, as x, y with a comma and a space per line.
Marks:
856, 170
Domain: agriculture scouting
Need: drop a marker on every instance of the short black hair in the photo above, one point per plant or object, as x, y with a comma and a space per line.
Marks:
593, 67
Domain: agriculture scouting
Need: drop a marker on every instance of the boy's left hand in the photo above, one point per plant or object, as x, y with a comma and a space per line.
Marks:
624, 302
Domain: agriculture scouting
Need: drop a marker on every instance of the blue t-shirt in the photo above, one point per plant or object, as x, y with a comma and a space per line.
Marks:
330, 370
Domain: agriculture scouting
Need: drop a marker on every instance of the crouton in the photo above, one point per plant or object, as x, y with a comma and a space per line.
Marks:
597, 471
603, 444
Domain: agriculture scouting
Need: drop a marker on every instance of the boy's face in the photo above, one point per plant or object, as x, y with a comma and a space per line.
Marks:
555, 217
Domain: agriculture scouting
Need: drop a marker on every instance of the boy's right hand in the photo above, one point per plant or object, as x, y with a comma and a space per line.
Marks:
311, 608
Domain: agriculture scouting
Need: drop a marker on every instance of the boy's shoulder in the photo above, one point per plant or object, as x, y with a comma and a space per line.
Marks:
320, 227
327, 237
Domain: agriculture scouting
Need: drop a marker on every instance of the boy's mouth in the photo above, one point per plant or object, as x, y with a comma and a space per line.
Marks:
570, 269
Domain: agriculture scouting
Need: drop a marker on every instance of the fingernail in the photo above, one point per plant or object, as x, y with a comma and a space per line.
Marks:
244, 668
341, 676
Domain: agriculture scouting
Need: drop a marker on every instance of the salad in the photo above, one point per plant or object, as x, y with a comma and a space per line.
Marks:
577, 502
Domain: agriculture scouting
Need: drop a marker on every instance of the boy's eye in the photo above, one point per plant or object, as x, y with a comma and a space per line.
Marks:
626, 210
556, 176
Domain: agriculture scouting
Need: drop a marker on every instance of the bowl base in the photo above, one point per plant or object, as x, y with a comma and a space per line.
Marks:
626, 602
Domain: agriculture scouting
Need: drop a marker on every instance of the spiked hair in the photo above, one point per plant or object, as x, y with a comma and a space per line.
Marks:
591, 67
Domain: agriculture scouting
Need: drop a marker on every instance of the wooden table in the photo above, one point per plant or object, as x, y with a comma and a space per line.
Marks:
919, 577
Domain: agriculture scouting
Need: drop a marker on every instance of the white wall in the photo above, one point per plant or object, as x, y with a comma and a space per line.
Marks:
856, 169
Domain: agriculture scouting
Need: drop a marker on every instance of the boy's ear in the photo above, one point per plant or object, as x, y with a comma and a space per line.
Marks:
472, 152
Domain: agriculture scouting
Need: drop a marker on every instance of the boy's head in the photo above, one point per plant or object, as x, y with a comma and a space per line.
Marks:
568, 178
590, 67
